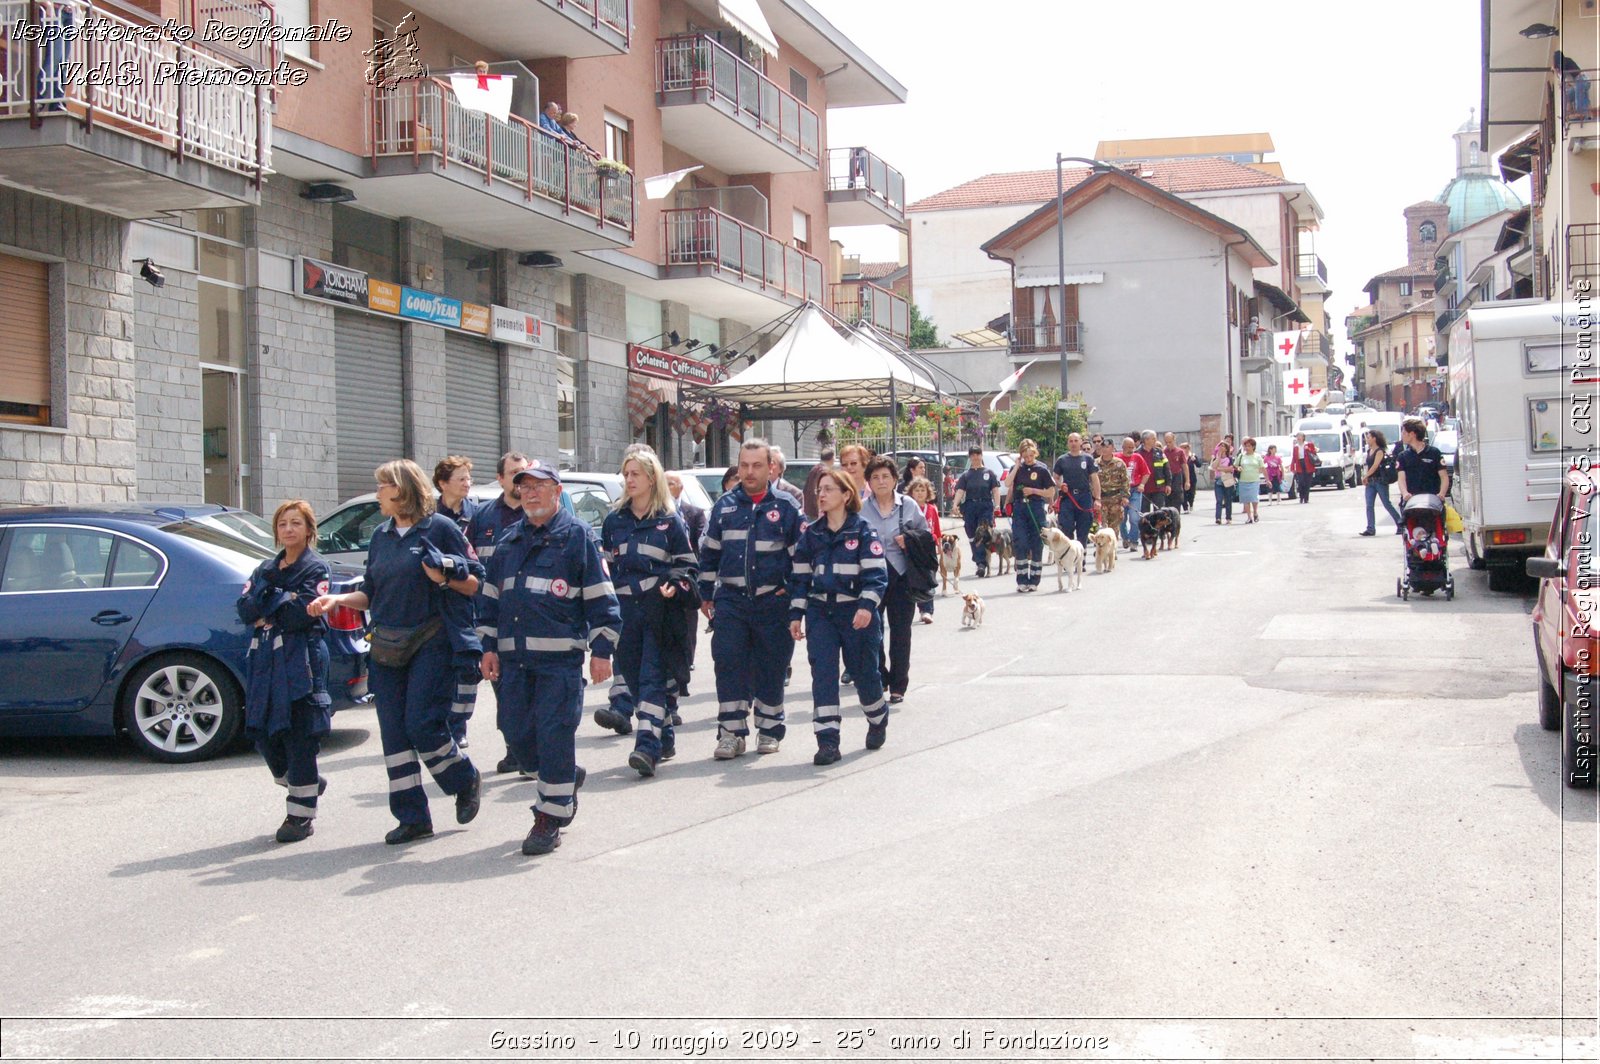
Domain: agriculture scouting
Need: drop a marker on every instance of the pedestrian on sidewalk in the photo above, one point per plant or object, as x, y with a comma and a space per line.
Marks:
547, 599
840, 577
1303, 463
1273, 461
891, 515
1378, 461
287, 705
1223, 479
922, 494
1250, 467
417, 563
745, 559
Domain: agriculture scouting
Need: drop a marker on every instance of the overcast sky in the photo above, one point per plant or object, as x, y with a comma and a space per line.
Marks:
1360, 98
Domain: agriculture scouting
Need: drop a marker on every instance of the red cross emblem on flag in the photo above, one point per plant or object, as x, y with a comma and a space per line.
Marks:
1296, 386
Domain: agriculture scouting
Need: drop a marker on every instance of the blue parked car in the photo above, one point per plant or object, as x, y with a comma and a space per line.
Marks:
121, 619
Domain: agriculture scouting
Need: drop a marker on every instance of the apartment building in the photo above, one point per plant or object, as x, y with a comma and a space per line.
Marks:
400, 274
1541, 115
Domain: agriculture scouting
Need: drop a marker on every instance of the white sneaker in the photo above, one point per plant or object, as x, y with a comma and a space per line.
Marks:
767, 745
729, 747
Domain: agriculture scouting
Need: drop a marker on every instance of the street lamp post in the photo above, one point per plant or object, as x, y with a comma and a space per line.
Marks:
1061, 262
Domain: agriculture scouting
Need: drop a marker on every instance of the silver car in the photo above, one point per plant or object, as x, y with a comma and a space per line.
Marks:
345, 534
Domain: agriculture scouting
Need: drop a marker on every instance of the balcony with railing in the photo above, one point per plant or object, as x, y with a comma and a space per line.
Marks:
728, 114
885, 311
1311, 265
1583, 252
504, 184
864, 190
1580, 100
1027, 339
538, 29
701, 242
103, 119
1255, 351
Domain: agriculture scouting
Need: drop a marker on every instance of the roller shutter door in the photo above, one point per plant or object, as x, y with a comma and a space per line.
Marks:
472, 395
369, 392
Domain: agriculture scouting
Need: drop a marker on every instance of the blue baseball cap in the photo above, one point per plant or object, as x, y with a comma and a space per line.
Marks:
542, 470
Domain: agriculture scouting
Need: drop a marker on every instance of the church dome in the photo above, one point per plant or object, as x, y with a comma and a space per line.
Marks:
1473, 197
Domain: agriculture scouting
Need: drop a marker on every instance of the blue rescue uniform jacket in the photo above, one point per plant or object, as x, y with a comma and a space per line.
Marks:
401, 594
643, 551
747, 550
844, 567
547, 596
288, 658
489, 521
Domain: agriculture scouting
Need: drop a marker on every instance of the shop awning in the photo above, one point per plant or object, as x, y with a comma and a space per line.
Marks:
1518, 158
746, 17
1040, 276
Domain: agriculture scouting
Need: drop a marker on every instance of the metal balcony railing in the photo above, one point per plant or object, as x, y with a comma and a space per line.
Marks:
853, 168
422, 117
1310, 265
215, 23
701, 236
1583, 251
1046, 339
693, 61
1579, 99
615, 14
885, 311
204, 115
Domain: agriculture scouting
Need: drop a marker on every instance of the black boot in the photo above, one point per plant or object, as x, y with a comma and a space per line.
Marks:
408, 833
469, 800
295, 829
544, 837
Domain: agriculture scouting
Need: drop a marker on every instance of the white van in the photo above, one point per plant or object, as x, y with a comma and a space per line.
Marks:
1331, 436
1385, 421
1523, 385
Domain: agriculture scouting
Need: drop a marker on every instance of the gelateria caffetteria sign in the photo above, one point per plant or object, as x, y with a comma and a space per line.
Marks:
665, 364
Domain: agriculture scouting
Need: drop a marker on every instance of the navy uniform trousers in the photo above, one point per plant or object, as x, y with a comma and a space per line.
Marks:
971, 517
291, 757
638, 661
829, 635
1076, 515
1027, 522
539, 712
414, 703
751, 649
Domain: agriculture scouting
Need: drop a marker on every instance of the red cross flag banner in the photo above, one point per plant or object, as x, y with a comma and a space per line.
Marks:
1285, 345
487, 93
1297, 387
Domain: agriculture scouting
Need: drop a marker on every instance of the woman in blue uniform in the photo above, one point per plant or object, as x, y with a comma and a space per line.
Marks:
453, 477
653, 568
840, 576
1031, 488
286, 701
418, 589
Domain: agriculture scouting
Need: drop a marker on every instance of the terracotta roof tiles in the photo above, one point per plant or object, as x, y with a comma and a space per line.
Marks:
1039, 186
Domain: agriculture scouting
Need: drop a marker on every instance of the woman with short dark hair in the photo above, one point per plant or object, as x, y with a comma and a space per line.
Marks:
891, 514
453, 477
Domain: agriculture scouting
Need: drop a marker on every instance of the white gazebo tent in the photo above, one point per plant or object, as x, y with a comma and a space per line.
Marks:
812, 371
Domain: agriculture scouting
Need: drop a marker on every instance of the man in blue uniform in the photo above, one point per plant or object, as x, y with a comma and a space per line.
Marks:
746, 556
978, 498
546, 598
1078, 476
487, 524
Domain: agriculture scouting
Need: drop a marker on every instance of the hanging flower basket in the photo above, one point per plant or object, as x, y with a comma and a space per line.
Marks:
610, 169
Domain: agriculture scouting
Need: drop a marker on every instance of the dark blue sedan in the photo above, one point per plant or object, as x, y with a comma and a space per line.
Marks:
121, 619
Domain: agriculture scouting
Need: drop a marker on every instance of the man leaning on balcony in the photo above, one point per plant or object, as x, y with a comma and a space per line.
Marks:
550, 120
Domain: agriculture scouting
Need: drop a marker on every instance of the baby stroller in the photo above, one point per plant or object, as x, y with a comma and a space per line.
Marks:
1427, 549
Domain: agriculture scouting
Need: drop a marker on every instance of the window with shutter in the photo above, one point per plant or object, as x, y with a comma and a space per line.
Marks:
25, 341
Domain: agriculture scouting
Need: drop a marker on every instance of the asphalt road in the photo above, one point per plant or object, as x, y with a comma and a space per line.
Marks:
1238, 801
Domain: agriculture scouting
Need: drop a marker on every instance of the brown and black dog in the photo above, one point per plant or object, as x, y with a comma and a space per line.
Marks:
989, 540
1159, 529
949, 562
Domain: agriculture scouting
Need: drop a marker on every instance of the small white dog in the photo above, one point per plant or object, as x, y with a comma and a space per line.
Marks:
1105, 549
972, 611
1068, 554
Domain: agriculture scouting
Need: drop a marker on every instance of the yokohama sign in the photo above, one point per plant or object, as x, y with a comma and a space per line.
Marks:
649, 361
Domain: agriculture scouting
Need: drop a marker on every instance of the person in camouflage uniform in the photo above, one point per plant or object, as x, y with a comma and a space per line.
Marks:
1115, 486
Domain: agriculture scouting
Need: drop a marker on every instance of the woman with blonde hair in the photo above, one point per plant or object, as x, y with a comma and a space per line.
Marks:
286, 698
418, 587
654, 572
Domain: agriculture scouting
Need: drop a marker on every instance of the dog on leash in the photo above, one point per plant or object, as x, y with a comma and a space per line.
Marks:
971, 610
1105, 549
1068, 555
1169, 535
1154, 529
949, 562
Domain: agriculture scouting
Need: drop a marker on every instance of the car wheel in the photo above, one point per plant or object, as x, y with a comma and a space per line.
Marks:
1475, 561
1342, 484
1549, 703
1577, 736
182, 707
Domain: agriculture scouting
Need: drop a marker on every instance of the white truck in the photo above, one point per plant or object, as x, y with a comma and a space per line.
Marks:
1522, 381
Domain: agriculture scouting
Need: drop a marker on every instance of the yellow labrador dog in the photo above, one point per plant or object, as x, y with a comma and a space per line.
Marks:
1105, 549
1068, 554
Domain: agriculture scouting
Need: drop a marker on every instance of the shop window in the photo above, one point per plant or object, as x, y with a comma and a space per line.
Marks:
25, 356
567, 406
